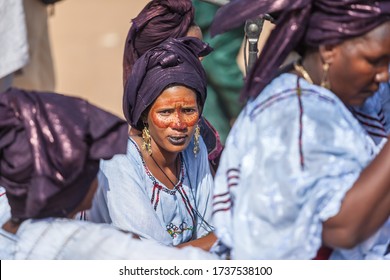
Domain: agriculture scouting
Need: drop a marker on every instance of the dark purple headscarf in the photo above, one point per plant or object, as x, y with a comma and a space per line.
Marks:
159, 20
50, 147
175, 61
307, 22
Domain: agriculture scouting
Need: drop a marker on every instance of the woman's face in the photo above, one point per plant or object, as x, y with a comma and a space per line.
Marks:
359, 65
173, 117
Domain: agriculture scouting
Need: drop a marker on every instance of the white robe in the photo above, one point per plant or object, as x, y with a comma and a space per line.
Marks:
13, 37
66, 239
287, 165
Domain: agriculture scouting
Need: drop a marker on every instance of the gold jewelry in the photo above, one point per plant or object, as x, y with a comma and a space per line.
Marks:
325, 81
196, 140
299, 68
147, 140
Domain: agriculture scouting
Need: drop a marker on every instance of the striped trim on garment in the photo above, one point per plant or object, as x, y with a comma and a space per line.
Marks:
223, 202
259, 108
374, 125
157, 187
187, 203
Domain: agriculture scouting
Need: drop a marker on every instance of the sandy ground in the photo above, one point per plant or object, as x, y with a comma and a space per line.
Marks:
87, 41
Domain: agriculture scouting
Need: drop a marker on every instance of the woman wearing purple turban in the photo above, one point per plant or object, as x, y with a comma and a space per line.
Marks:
299, 172
158, 21
161, 189
50, 148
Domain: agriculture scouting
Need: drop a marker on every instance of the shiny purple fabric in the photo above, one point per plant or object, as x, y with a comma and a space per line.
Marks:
307, 22
176, 61
50, 147
159, 20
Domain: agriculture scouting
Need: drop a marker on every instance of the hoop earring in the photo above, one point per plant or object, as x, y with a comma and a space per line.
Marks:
325, 81
147, 140
196, 140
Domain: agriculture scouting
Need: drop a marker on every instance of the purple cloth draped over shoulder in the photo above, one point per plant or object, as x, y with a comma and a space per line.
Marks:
159, 20
307, 22
175, 61
50, 147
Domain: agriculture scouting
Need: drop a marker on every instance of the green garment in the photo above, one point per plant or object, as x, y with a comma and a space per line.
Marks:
225, 79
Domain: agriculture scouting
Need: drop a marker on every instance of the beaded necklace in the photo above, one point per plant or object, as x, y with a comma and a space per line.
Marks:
165, 174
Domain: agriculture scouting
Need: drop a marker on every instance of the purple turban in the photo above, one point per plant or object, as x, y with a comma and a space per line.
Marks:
159, 20
50, 146
176, 61
307, 22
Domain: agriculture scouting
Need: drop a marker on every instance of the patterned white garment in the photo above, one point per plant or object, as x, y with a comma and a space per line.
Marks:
374, 114
384, 95
132, 199
13, 39
5, 210
65, 239
287, 165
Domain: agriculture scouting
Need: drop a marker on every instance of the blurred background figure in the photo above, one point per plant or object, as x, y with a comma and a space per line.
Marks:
224, 75
38, 73
88, 54
13, 41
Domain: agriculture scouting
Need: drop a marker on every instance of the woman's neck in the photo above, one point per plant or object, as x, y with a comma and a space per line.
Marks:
164, 165
164, 158
134, 132
165, 168
313, 66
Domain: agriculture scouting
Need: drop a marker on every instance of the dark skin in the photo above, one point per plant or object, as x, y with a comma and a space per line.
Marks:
175, 113
357, 67
11, 226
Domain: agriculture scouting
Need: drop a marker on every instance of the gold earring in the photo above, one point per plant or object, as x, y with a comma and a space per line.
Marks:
325, 81
196, 140
147, 140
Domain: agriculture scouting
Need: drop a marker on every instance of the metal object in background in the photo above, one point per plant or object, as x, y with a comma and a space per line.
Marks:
253, 28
